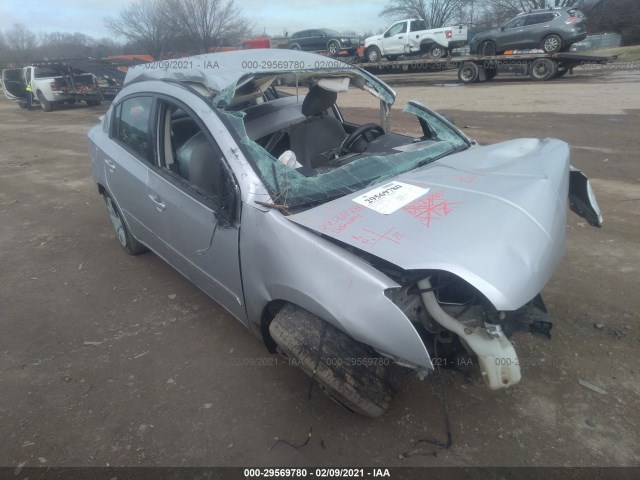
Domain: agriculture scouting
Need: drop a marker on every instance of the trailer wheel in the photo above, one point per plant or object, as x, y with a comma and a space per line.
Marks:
542, 69
551, 43
363, 387
468, 72
491, 73
93, 103
373, 54
487, 48
437, 51
561, 72
45, 104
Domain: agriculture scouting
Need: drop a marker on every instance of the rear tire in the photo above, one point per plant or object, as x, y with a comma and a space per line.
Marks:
364, 389
127, 241
552, 43
333, 48
437, 51
45, 104
468, 72
542, 69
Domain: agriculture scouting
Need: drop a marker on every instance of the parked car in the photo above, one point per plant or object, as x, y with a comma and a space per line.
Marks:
323, 39
551, 30
411, 37
356, 251
52, 85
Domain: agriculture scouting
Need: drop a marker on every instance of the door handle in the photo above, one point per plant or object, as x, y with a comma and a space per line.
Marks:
110, 164
160, 205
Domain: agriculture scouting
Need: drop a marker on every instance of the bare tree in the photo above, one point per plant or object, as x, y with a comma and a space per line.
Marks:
65, 45
210, 23
436, 13
21, 43
147, 23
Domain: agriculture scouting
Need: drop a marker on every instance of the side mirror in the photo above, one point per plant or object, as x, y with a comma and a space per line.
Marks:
386, 34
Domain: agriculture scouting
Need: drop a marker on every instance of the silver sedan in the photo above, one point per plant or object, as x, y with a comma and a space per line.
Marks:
358, 252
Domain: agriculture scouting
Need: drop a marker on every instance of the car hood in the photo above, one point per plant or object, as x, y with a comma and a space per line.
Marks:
494, 216
375, 38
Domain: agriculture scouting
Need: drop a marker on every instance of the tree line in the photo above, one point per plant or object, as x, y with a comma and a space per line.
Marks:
164, 28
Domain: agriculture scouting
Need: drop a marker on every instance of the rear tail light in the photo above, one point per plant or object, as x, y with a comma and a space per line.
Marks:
448, 33
572, 20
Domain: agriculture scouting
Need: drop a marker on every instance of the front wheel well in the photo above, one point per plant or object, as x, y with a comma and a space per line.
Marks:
269, 311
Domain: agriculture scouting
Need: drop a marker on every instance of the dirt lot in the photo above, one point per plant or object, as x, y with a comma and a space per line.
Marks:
107, 359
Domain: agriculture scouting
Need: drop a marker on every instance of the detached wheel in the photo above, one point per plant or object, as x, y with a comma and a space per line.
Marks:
468, 72
127, 241
437, 51
348, 371
373, 54
551, 43
333, 48
542, 69
45, 104
487, 48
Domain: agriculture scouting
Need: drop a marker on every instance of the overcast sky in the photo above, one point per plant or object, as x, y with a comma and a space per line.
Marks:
272, 16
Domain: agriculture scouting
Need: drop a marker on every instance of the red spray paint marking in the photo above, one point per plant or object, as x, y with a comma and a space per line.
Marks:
342, 220
434, 207
371, 238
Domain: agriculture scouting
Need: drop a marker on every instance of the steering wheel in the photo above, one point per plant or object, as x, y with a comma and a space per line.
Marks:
361, 130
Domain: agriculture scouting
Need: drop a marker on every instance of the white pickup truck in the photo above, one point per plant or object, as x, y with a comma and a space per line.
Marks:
51, 85
411, 37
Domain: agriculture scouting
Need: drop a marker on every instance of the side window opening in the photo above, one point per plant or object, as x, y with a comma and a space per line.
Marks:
187, 152
132, 125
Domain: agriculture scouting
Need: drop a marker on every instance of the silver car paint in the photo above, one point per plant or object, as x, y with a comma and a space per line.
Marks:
508, 201
293, 265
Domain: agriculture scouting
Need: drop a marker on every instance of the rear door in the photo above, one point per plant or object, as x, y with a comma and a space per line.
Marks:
127, 158
13, 84
537, 27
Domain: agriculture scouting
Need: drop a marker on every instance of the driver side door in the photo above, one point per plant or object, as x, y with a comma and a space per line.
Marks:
395, 39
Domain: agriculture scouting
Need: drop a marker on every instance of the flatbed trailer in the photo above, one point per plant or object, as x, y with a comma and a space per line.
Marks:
476, 68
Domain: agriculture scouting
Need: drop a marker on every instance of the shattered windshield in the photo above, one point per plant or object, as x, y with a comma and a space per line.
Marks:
306, 154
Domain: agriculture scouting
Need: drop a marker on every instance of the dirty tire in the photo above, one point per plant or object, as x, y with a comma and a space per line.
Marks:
487, 48
542, 69
468, 72
552, 43
363, 389
373, 54
45, 104
128, 243
333, 48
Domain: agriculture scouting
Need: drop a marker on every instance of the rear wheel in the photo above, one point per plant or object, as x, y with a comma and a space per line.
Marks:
364, 387
45, 104
551, 43
437, 51
542, 69
127, 241
333, 48
468, 72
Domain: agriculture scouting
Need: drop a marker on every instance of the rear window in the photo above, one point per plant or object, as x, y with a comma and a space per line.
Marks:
46, 72
540, 18
418, 25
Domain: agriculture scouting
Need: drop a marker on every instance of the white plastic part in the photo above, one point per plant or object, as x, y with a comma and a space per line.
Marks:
498, 359
289, 159
335, 84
